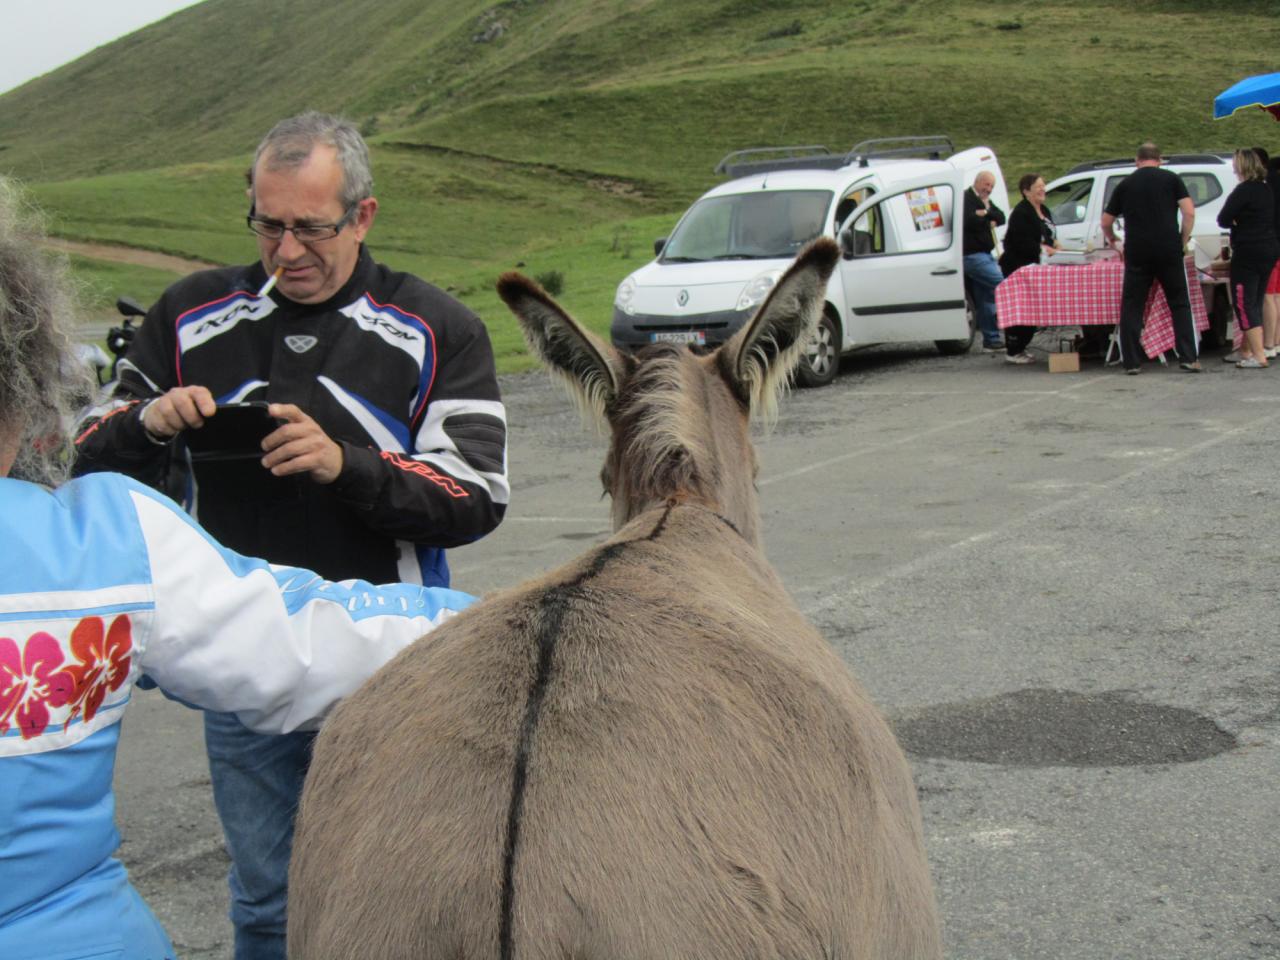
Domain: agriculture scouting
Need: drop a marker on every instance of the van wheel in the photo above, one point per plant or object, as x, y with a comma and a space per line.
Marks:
952, 348
821, 358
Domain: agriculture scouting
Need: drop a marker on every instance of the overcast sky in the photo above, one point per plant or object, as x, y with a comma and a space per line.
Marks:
37, 36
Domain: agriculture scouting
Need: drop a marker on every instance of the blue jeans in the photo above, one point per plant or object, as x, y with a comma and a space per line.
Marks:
984, 276
257, 781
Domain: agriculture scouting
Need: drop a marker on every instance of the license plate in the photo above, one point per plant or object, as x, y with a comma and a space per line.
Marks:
698, 337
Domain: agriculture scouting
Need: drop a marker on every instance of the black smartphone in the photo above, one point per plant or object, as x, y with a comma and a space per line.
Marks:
234, 432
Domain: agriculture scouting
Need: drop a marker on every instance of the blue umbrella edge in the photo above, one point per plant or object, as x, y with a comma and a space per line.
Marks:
1262, 91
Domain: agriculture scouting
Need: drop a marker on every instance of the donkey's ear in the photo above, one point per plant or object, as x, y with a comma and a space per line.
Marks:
588, 366
760, 358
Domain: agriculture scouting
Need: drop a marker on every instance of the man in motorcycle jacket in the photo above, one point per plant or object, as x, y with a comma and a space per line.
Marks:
391, 444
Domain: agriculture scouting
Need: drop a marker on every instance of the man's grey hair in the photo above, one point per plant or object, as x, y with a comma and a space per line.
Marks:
290, 142
1148, 151
43, 381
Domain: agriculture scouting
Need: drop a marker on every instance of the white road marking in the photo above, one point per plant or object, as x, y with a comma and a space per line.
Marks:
917, 436
837, 591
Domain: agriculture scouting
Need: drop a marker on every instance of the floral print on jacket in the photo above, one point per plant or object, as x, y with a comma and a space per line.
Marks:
38, 680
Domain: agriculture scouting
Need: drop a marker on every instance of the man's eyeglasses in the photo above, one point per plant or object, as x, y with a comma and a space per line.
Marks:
304, 232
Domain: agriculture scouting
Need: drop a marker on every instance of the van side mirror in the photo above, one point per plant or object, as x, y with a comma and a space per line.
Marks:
658, 245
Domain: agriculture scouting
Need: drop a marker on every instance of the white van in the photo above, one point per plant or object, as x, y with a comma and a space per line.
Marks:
893, 204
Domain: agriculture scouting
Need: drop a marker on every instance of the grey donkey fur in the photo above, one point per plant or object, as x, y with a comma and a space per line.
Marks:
647, 754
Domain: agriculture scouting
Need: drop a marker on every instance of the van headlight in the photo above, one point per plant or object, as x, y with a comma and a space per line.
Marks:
626, 293
755, 291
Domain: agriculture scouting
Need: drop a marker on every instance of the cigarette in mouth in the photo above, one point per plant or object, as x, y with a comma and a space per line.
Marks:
271, 282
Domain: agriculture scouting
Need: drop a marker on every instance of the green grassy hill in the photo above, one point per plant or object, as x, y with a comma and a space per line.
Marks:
566, 134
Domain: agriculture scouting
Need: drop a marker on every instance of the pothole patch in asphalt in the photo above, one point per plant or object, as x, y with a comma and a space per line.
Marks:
1045, 727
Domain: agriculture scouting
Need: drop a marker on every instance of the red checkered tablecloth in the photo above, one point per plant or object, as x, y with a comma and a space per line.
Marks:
1066, 296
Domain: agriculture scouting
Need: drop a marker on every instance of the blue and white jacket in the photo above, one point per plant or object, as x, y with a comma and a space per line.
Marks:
102, 581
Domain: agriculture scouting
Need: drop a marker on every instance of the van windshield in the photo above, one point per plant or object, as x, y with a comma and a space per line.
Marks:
748, 226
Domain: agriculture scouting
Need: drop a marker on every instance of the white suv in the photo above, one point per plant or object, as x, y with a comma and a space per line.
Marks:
894, 206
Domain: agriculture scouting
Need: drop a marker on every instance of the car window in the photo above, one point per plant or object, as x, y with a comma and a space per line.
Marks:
1069, 202
927, 222
703, 233
1203, 187
849, 202
759, 225
915, 221
868, 233
1112, 183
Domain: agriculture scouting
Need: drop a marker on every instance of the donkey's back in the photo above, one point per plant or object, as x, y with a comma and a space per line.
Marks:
645, 755
641, 756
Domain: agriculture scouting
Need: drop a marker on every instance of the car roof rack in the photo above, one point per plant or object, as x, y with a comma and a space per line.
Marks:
929, 148
815, 156
1128, 161
740, 163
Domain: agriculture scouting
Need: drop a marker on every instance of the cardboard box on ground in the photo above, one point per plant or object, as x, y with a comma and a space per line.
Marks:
1066, 360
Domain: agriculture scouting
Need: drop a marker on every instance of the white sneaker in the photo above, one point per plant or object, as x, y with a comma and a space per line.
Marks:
1023, 357
1270, 352
1232, 357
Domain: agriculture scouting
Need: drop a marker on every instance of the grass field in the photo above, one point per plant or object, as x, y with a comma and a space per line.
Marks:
101, 282
578, 134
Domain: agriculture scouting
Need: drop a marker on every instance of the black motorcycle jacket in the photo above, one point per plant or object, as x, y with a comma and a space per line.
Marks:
394, 370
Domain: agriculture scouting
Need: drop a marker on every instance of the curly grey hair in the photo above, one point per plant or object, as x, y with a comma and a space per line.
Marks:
42, 380
290, 142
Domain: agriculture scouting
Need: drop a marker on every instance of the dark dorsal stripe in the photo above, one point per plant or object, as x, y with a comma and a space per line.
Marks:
556, 602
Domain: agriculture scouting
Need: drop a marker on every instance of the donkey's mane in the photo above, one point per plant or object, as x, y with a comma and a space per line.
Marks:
656, 416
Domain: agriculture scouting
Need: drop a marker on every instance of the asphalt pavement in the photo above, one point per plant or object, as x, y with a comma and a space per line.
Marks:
1061, 588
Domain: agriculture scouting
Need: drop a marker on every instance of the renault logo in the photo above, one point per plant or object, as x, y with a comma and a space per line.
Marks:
683, 298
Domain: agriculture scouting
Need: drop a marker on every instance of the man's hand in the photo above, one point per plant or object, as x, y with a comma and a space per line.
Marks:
182, 408
300, 446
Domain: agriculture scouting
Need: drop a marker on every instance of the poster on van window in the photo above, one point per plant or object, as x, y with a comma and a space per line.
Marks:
926, 212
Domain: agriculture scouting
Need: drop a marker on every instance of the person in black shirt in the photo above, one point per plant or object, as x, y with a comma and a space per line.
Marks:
1271, 302
1250, 214
981, 217
1150, 199
1031, 231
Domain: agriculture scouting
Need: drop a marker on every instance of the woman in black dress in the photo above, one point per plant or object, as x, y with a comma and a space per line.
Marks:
1030, 231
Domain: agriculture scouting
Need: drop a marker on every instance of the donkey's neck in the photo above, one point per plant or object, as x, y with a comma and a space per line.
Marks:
661, 512
711, 508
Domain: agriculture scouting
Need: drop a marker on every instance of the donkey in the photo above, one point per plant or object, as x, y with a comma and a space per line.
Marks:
647, 754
